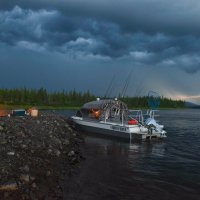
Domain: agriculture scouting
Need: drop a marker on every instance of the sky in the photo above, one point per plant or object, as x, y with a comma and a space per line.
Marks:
92, 44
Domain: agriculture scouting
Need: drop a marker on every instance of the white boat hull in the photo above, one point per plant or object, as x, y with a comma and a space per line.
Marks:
111, 129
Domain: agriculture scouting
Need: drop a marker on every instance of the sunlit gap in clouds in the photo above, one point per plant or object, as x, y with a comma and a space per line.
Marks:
190, 98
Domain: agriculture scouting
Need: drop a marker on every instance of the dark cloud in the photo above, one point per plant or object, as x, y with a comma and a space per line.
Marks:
62, 33
153, 16
160, 33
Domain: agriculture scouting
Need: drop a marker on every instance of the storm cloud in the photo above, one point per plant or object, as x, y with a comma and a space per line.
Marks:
146, 33
160, 35
181, 17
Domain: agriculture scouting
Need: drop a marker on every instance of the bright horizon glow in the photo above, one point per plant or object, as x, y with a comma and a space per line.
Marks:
191, 98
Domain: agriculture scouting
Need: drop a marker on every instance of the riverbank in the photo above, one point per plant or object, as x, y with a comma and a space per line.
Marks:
36, 154
11, 107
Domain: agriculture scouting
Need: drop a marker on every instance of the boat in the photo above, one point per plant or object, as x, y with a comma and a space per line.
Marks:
112, 117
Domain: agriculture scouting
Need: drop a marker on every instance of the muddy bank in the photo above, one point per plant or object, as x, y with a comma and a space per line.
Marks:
36, 153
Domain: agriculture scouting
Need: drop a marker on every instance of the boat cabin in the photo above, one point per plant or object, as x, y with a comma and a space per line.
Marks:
104, 110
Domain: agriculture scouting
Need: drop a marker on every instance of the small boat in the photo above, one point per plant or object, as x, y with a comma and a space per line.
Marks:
111, 117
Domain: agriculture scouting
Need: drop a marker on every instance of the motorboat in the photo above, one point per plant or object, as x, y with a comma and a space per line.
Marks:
112, 117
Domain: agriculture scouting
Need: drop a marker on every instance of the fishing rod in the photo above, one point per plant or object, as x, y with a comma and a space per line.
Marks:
127, 82
110, 87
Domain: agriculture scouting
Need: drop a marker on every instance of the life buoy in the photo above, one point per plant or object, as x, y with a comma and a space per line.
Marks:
132, 122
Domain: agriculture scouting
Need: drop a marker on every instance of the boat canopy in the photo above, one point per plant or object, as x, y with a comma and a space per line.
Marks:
105, 103
104, 109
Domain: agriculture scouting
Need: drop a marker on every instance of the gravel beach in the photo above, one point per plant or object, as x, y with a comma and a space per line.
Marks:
36, 154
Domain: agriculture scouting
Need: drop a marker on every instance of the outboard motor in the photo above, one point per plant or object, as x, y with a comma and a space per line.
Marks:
152, 124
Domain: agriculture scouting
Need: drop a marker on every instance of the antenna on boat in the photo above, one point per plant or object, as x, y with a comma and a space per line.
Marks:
126, 84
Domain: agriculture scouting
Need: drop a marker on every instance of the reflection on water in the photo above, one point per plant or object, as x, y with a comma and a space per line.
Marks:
156, 169
109, 146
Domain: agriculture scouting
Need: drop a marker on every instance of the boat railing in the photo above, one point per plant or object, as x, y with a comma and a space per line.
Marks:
142, 117
152, 113
136, 114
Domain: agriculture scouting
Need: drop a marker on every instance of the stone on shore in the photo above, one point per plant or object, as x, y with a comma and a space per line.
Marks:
35, 154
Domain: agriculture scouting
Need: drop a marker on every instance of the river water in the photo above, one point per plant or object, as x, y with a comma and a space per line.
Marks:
151, 170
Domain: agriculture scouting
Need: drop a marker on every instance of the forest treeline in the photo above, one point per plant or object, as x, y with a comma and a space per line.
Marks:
41, 97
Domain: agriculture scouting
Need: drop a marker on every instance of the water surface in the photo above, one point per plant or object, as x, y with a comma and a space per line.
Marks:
168, 169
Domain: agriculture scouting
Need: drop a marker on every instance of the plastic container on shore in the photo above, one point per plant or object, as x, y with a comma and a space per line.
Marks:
3, 113
18, 112
34, 112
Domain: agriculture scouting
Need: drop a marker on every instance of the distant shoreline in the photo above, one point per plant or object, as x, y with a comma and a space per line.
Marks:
43, 99
43, 107
10, 107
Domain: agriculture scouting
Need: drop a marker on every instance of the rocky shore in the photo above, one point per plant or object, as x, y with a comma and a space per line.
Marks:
36, 154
